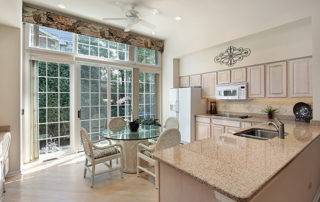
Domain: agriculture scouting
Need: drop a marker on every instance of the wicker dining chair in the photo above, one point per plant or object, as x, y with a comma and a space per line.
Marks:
117, 123
171, 122
100, 154
169, 138
5, 152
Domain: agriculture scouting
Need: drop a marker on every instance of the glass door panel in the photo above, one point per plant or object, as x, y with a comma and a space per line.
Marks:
94, 99
53, 107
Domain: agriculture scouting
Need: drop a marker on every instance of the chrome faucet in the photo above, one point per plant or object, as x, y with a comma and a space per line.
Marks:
279, 127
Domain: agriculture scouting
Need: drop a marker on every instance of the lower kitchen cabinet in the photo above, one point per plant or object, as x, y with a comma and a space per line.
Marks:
202, 128
217, 129
246, 124
229, 129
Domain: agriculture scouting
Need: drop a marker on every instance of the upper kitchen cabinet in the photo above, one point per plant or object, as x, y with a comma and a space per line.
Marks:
209, 81
224, 77
300, 74
238, 75
276, 84
195, 80
184, 81
255, 77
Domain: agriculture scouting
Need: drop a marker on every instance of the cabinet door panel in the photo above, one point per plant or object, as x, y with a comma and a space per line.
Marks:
224, 77
209, 85
229, 129
276, 79
217, 129
184, 81
300, 73
195, 80
238, 75
245, 124
202, 130
255, 77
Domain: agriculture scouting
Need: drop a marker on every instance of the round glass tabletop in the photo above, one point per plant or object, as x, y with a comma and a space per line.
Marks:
144, 132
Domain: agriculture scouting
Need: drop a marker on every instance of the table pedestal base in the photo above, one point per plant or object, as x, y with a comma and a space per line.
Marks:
130, 154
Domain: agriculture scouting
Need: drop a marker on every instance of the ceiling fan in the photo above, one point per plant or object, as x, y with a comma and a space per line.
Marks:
132, 17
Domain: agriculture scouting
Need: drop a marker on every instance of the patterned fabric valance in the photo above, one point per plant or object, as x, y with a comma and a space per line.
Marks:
51, 19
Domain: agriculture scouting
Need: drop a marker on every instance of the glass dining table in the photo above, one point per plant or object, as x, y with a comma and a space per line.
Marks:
129, 141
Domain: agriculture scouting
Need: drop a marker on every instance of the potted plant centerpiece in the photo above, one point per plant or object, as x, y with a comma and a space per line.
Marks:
270, 111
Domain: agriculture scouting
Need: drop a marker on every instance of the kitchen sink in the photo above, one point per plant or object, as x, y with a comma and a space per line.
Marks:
256, 133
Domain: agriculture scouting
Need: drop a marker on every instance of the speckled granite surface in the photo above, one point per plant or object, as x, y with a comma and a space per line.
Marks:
239, 167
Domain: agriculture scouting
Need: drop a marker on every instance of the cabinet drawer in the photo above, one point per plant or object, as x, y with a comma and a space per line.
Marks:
246, 124
226, 122
203, 120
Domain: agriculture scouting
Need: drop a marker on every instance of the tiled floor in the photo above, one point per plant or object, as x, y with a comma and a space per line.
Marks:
65, 182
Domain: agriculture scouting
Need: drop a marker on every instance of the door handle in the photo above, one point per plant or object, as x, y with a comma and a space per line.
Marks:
79, 114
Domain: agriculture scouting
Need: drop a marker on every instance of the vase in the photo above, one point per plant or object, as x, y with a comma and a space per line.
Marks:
270, 116
134, 126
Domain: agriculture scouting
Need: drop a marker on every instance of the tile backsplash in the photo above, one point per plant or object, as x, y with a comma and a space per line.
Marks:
256, 106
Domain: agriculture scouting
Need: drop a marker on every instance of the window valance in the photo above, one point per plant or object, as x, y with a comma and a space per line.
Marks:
43, 17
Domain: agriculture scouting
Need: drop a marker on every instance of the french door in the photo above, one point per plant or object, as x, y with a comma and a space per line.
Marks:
105, 92
52, 107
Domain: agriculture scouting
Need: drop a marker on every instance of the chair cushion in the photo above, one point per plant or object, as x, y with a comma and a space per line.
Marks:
147, 153
100, 153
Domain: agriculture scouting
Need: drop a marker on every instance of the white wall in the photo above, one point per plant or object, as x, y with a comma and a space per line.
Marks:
289, 41
10, 89
316, 61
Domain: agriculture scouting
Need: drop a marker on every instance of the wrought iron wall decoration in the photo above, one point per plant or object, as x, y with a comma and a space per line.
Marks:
232, 55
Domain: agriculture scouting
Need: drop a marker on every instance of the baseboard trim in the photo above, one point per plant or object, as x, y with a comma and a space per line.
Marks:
13, 173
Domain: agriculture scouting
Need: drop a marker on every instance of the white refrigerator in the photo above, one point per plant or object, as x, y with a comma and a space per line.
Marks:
185, 103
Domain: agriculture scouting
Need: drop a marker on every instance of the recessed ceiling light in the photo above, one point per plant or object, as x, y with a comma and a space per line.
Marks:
61, 6
153, 33
154, 11
178, 18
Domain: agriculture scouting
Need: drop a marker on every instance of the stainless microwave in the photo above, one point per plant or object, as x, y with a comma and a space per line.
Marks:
235, 91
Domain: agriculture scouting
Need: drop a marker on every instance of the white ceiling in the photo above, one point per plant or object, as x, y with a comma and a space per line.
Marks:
204, 23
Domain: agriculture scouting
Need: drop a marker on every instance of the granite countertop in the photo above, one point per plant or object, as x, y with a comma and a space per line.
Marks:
239, 167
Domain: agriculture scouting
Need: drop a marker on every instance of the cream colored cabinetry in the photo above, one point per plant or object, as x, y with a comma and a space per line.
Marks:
276, 83
238, 75
202, 128
195, 80
220, 126
224, 77
246, 124
300, 73
255, 77
217, 129
209, 81
184, 81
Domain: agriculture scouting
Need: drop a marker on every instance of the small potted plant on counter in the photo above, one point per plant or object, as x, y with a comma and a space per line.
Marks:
270, 111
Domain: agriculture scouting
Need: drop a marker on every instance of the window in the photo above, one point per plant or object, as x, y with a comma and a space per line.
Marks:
53, 107
51, 39
121, 93
94, 99
102, 48
147, 56
147, 95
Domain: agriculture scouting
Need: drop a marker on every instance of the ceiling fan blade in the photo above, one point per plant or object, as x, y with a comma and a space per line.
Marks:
147, 24
114, 18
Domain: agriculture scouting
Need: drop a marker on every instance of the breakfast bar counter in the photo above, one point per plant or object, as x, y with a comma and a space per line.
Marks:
232, 168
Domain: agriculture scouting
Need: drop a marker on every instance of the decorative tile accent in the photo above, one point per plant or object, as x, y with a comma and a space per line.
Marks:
54, 20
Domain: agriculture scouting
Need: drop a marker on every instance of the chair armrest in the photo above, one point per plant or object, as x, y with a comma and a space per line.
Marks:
145, 147
97, 141
107, 147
